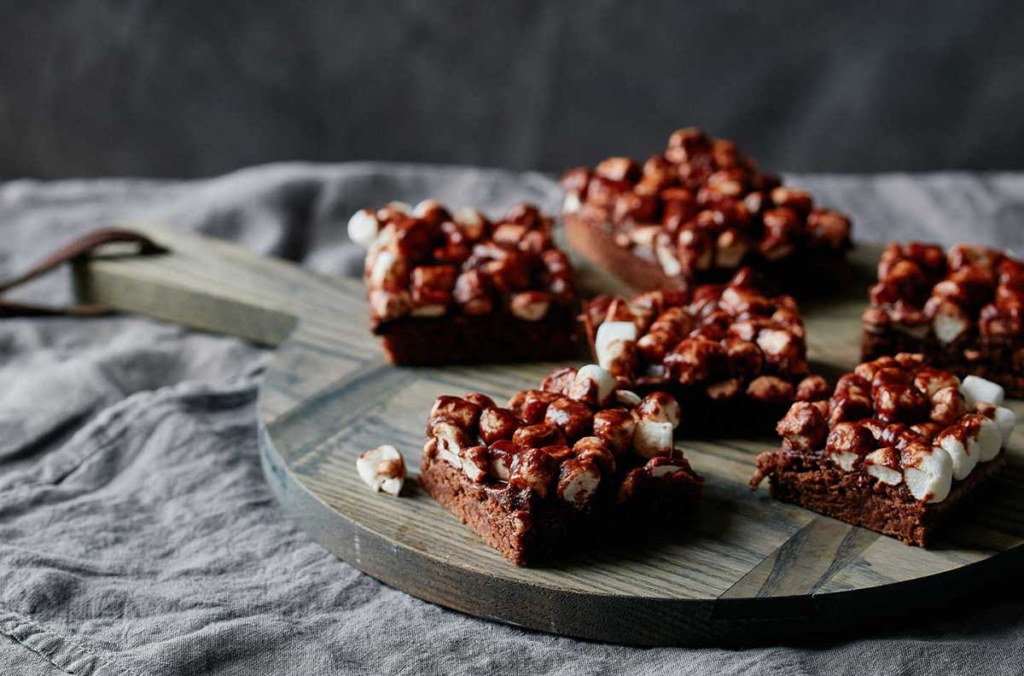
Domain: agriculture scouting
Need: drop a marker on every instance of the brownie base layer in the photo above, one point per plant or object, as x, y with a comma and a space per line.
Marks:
813, 482
521, 536
804, 275
525, 535
1000, 362
491, 338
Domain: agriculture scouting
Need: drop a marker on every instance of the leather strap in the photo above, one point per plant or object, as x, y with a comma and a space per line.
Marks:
74, 250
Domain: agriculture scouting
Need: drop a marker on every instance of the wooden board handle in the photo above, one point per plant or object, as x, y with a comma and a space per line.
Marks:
206, 284
216, 286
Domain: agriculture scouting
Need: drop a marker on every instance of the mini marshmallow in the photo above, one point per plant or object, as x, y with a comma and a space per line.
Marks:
929, 473
607, 342
471, 470
382, 266
977, 389
845, 459
469, 217
383, 239
386, 305
948, 328
878, 464
450, 440
452, 459
1007, 420
774, 341
363, 227
669, 262
886, 475
580, 484
990, 440
591, 377
383, 469
424, 207
964, 453
499, 468
572, 203
627, 398
475, 463
660, 407
652, 437
644, 235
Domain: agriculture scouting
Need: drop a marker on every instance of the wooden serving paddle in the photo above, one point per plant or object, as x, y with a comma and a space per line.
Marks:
749, 570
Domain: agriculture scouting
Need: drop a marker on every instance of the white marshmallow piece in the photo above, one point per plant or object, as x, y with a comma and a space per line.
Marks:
774, 341
931, 478
627, 398
660, 407
964, 457
606, 342
652, 438
423, 207
990, 440
468, 217
886, 475
605, 381
380, 242
452, 459
499, 468
844, 459
447, 438
670, 264
383, 469
572, 203
472, 470
582, 486
977, 389
1007, 420
382, 266
363, 227
874, 464
948, 328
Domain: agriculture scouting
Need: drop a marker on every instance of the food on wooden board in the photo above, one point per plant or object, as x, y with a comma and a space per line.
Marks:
554, 465
898, 447
455, 288
963, 309
734, 356
698, 212
383, 469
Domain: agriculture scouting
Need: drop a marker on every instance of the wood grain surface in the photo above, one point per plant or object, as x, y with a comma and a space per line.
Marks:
749, 570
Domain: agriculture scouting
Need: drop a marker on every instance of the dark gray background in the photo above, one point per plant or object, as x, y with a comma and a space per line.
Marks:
91, 87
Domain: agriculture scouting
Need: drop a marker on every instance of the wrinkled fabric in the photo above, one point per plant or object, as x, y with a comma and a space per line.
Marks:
137, 535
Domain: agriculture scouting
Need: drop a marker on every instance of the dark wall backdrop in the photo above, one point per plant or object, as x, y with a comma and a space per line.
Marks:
98, 87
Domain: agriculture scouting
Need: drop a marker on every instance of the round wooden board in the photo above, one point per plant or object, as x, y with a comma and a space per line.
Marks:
749, 569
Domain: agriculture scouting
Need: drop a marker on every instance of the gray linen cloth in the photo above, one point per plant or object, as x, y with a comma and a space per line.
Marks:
136, 533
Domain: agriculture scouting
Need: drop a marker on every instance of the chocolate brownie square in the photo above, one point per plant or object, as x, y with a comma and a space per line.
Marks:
457, 288
963, 309
698, 212
577, 456
733, 356
897, 448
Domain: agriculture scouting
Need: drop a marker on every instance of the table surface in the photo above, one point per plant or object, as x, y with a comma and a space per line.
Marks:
137, 536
